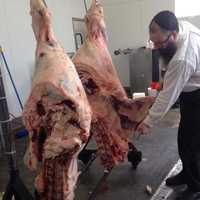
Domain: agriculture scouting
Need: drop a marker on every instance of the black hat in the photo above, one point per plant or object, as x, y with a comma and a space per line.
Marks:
166, 20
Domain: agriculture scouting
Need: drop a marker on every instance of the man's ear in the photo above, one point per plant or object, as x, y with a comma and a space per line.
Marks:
174, 35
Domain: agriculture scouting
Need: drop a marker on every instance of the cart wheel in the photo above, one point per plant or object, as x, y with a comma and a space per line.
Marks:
86, 155
134, 157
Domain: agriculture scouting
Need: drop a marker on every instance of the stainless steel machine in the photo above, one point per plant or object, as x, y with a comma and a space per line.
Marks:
140, 69
144, 67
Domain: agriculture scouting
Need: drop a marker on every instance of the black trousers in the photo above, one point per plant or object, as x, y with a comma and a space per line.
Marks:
189, 138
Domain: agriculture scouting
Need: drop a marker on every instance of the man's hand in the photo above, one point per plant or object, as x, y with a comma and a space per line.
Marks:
143, 129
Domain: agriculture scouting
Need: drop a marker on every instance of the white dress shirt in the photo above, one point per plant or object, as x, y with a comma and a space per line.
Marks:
182, 72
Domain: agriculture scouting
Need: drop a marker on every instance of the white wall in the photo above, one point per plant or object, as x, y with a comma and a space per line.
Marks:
194, 20
127, 24
17, 40
188, 10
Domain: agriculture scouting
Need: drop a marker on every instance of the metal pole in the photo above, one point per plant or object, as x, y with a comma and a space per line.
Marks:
15, 186
6, 127
94, 192
12, 81
2, 139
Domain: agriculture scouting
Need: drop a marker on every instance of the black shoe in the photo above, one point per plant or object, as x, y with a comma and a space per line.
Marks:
175, 180
188, 194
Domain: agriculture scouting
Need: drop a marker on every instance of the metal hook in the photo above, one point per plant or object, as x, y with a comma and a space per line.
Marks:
45, 3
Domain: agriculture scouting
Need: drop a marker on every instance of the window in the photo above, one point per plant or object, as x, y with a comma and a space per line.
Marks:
186, 8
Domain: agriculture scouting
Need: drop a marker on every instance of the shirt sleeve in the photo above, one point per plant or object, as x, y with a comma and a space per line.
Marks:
176, 77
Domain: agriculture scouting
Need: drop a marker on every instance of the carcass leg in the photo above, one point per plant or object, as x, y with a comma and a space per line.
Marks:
41, 22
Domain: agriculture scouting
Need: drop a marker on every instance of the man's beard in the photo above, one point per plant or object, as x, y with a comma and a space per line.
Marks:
168, 52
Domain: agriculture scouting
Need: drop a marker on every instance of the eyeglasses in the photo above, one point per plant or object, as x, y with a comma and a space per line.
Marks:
162, 44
